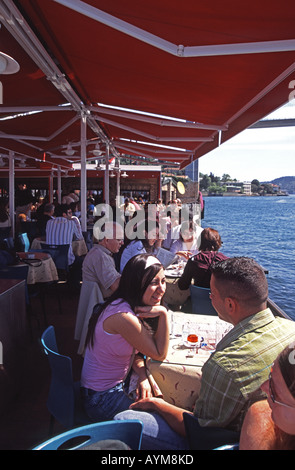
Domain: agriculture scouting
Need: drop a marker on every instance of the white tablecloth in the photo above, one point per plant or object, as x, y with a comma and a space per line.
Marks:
179, 375
44, 271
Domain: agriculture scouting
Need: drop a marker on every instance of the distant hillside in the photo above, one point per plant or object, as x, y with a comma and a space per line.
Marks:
286, 183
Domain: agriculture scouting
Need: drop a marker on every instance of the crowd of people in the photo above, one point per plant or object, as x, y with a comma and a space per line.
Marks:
235, 382
248, 382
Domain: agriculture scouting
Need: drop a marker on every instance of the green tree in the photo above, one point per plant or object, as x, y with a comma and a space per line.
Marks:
225, 177
205, 183
255, 186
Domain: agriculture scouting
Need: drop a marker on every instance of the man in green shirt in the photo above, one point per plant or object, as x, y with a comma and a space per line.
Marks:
232, 376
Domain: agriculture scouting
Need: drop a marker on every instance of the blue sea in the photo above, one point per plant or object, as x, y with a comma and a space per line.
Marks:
262, 228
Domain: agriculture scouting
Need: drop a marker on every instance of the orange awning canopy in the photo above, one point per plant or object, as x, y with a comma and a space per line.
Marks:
214, 68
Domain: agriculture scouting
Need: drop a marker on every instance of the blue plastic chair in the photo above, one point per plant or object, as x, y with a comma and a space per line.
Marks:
201, 302
129, 432
228, 447
25, 242
59, 254
9, 244
64, 401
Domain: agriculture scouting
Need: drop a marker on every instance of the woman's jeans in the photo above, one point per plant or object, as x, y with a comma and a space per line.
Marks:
157, 434
102, 406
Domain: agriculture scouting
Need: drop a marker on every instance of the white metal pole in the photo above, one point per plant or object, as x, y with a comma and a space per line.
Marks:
83, 194
58, 184
107, 177
51, 188
11, 192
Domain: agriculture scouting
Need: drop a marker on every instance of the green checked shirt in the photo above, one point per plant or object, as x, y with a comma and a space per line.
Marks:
232, 376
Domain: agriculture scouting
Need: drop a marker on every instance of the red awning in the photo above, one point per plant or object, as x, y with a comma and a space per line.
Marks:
215, 67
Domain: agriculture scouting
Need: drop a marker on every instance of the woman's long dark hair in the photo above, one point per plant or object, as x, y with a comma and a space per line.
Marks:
133, 283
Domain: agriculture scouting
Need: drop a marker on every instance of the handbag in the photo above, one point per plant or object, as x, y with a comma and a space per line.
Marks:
131, 379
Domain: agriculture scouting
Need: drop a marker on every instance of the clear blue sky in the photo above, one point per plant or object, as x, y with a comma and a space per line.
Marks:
263, 154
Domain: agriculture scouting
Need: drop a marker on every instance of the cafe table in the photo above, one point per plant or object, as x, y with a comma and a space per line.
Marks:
79, 246
173, 295
41, 267
179, 375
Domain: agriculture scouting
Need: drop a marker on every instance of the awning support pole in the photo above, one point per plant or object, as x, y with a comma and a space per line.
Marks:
83, 194
11, 192
107, 176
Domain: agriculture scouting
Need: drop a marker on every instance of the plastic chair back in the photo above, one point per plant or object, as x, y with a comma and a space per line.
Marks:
61, 397
201, 302
63, 400
228, 447
8, 244
206, 438
25, 242
129, 432
59, 254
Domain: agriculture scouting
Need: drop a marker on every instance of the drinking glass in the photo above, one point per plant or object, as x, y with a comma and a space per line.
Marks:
190, 336
172, 326
193, 341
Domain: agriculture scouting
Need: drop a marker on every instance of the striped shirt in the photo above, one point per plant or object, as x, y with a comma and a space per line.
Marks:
232, 376
60, 231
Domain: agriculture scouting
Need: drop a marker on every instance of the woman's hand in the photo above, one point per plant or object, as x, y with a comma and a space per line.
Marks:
143, 389
184, 254
147, 404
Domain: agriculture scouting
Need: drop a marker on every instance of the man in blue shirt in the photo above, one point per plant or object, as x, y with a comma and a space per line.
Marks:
61, 231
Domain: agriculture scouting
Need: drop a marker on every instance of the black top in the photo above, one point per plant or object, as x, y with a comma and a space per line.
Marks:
198, 269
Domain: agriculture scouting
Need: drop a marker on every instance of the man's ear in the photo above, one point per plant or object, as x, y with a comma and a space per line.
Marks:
230, 304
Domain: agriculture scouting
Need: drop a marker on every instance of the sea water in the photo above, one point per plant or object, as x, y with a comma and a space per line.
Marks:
262, 228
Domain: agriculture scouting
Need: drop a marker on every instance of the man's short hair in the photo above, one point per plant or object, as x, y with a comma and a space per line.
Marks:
49, 207
61, 209
241, 278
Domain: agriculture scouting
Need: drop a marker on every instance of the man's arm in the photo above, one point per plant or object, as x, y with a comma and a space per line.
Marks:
115, 284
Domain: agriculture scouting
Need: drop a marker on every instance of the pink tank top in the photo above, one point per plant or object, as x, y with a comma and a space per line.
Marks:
106, 364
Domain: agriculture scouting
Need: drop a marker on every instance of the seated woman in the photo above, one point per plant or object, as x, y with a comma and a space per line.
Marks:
198, 267
149, 244
116, 334
188, 242
270, 424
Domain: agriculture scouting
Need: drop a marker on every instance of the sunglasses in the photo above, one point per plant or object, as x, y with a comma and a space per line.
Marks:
272, 394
